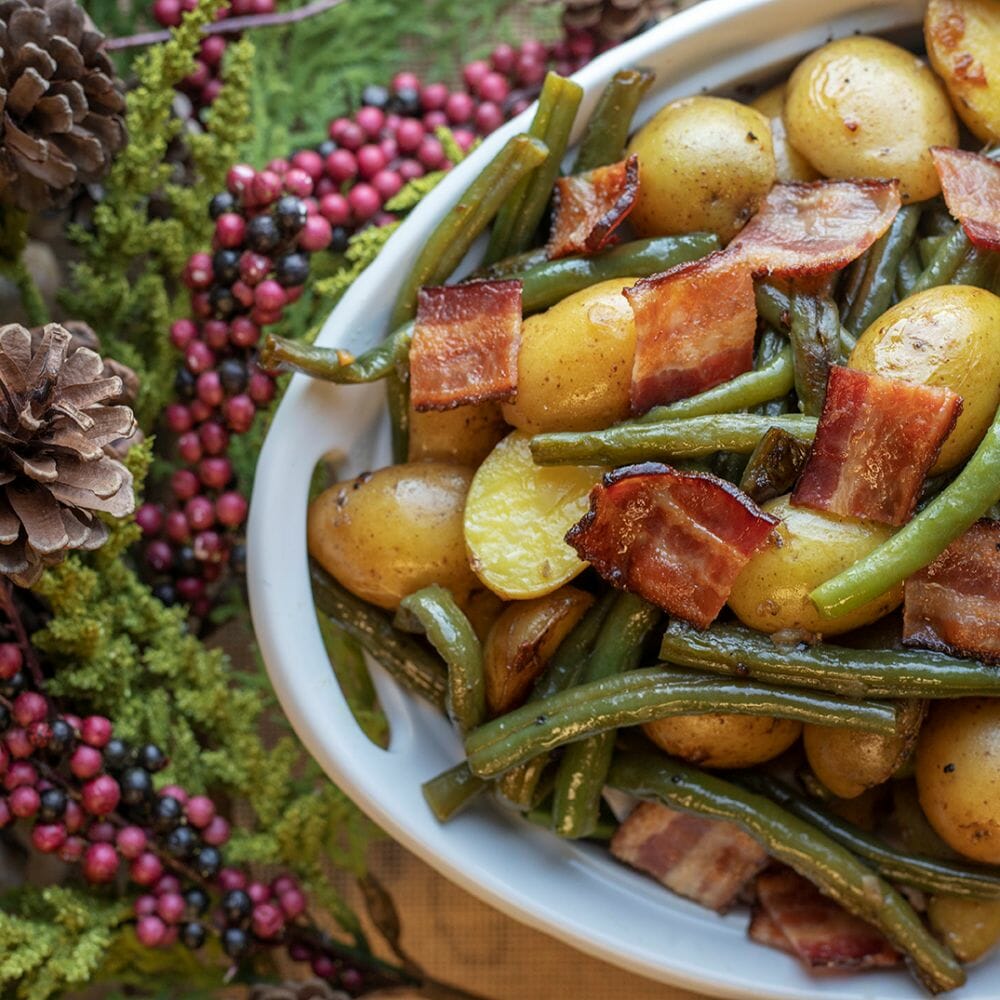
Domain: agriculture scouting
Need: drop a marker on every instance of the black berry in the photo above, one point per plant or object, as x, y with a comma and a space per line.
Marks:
234, 941
292, 269
185, 384
222, 203
338, 239
233, 376
152, 758
262, 234
222, 301
193, 935
53, 805
185, 562
117, 754
207, 862
236, 906
326, 147
13, 686
375, 96
290, 214
406, 101
165, 594
136, 785
197, 901
181, 841
226, 266
167, 813
238, 558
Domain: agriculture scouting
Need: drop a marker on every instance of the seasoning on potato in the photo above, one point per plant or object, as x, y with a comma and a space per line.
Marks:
724, 740
789, 163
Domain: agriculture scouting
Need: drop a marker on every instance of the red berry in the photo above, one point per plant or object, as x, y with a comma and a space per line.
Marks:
215, 473
150, 931
232, 878
292, 902
95, 730
310, 161
431, 154
131, 841
4, 759
39, 734
189, 447
261, 388
101, 832
190, 588
199, 357
243, 332
230, 229
85, 761
216, 834
283, 883
159, 556
11, 659
489, 117
100, 795
405, 80
149, 517
144, 905
209, 388
352, 135
177, 528
493, 87
323, 966
146, 869
409, 135
167, 883
19, 774
72, 850
371, 120
29, 706
265, 188
199, 513
352, 980
24, 801
184, 484
434, 119
317, 232
211, 91
6, 816
535, 49
336, 128
530, 70
214, 437
207, 548
474, 72
200, 410
198, 272
74, 816
459, 108
341, 165
387, 183
263, 6
371, 160
410, 170
18, 743
48, 837
216, 334
243, 293
298, 182
231, 509
464, 138
434, 96
254, 267
581, 45
503, 57
178, 417
168, 12
258, 892
175, 792
335, 209
212, 49
364, 201
170, 906
201, 305
182, 332
269, 294
267, 921
100, 863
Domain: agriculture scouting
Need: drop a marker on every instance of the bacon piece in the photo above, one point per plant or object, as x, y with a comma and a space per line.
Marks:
763, 929
953, 605
816, 227
817, 930
695, 328
971, 186
877, 438
706, 860
589, 207
465, 343
678, 539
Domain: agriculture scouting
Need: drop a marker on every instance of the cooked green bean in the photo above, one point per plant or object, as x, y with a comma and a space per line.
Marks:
603, 830
736, 651
471, 214
522, 211
929, 245
875, 294
397, 397
771, 381
451, 634
510, 267
978, 268
773, 466
919, 871
953, 511
815, 856
908, 273
576, 799
850, 284
451, 791
332, 364
405, 658
646, 695
606, 134
815, 336
690, 437
775, 308
945, 262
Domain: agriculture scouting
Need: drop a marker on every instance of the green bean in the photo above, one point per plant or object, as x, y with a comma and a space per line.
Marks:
929, 245
522, 211
815, 856
690, 437
646, 695
978, 268
451, 791
603, 829
875, 293
401, 655
775, 308
814, 333
946, 260
851, 282
606, 135
936, 219
953, 511
908, 273
771, 381
332, 364
774, 466
451, 634
854, 673
457, 231
919, 871
576, 798
510, 267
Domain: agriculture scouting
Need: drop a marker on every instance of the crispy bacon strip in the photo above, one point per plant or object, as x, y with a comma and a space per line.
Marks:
876, 440
678, 539
465, 343
763, 929
695, 328
706, 860
953, 605
816, 929
589, 207
971, 187
817, 227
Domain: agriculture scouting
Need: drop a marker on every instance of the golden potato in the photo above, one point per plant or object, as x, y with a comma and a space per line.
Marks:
575, 362
723, 740
969, 927
464, 435
389, 533
772, 592
849, 761
957, 776
790, 164
947, 336
963, 42
705, 164
517, 516
863, 107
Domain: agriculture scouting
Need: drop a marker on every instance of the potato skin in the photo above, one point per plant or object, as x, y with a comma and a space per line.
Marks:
705, 164
575, 362
957, 777
969, 927
947, 336
723, 740
863, 107
771, 594
464, 435
963, 43
791, 165
391, 532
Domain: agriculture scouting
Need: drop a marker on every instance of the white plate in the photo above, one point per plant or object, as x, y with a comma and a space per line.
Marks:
573, 892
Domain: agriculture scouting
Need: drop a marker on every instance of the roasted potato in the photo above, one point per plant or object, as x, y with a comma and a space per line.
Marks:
963, 43
790, 164
969, 927
771, 594
575, 362
863, 107
517, 516
723, 740
705, 164
946, 336
464, 435
391, 532
957, 777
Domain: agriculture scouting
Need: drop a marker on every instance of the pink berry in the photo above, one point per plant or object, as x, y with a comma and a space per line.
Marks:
100, 795
261, 388
434, 96
214, 437
190, 588
310, 161
243, 332
211, 91
282, 884
263, 6
370, 119
371, 160
215, 473
101, 832
167, 883
209, 388
293, 903
323, 966
269, 295
72, 850
48, 837
189, 447
73, 721
200, 513
298, 182
6, 816
200, 809
95, 730
459, 108
212, 49
170, 907
430, 153
175, 792
530, 71
581, 45
410, 170
434, 119
200, 411
177, 528
208, 547
232, 878
178, 417
230, 229
364, 201
258, 892
167, 12
131, 841
493, 87
503, 57
243, 293
198, 272
534, 49
335, 208
216, 834
254, 267
317, 232
474, 72
184, 484
74, 816
201, 305
199, 357
144, 905
85, 762
405, 80
39, 734
231, 509
197, 79
299, 952
464, 138
489, 117
11, 659
352, 135
146, 869
216, 334
341, 165
150, 931
100, 863
24, 801
29, 706
149, 517
409, 135
18, 743
267, 920
387, 183
182, 332
324, 186
265, 188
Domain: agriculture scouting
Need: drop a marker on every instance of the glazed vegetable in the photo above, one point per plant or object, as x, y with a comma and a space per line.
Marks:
408, 662
333, 364
644, 695
580, 779
854, 673
689, 437
814, 332
908, 274
955, 509
946, 258
452, 636
774, 307
773, 466
919, 871
452, 790
788, 839
724, 741
607, 130
472, 213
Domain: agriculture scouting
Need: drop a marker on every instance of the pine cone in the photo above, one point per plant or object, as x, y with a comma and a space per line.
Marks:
310, 989
61, 104
54, 473
615, 20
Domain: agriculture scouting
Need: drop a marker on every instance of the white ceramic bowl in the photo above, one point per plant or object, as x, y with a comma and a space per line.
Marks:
573, 892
